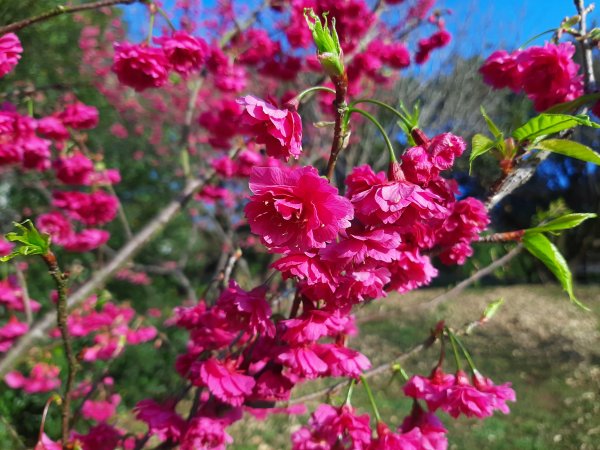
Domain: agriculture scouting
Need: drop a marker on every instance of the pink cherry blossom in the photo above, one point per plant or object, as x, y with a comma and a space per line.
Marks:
295, 209
279, 129
162, 420
205, 433
42, 378
139, 66
79, 116
333, 428
501, 70
225, 382
10, 52
185, 53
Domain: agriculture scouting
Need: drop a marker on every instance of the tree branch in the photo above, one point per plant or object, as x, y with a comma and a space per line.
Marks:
61, 9
145, 235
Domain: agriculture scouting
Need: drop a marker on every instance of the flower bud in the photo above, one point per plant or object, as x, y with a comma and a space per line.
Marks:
329, 51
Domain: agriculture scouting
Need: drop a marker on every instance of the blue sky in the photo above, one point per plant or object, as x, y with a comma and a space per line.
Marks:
478, 26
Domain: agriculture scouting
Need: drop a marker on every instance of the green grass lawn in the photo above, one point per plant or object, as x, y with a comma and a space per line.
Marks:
548, 348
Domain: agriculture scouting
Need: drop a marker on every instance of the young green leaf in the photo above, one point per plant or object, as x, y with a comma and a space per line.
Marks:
567, 107
32, 242
480, 144
491, 125
569, 148
565, 222
546, 124
540, 246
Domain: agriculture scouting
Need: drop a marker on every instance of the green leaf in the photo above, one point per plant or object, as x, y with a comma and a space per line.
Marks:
33, 243
569, 148
564, 222
480, 144
546, 124
573, 104
329, 51
540, 246
491, 125
492, 309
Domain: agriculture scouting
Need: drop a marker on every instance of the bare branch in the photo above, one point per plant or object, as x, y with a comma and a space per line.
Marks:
61, 9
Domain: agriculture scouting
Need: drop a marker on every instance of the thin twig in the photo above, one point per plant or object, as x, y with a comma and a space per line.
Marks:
60, 281
61, 9
589, 78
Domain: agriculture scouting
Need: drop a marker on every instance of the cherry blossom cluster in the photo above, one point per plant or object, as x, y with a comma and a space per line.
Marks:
10, 53
547, 74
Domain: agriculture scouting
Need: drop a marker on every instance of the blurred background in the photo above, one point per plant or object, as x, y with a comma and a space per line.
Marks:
543, 344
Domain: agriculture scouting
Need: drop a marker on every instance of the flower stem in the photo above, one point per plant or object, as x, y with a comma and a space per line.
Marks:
385, 106
465, 352
350, 391
308, 91
454, 349
166, 17
151, 28
371, 398
388, 143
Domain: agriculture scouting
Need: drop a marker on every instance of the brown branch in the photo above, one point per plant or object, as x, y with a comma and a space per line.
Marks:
328, 391
61, 9
473, 278
586, 48
143, 237
60, 281
340, 135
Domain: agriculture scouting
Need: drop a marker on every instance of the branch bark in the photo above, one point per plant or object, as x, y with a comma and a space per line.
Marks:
44, 325
61, 9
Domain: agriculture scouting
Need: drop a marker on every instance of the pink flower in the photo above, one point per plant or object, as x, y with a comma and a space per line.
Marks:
139, 66
92, 209
550, 74
464, 398
10, 52
501, 70
204, 433
343, 361
56, 225
312, 325
185, 53
43, 378
377, 200
280, 130
431, 389
437, 40
410, 271
305, 266
10, 332
423, 430
249, 310
5, 247
100, 410
89, 239
100, 437
79, 116
444, 148
162, 420
257, 46
53, 128
357, 244
499, 394
303, 362
295, 209
225, 382
74, 169
333, 428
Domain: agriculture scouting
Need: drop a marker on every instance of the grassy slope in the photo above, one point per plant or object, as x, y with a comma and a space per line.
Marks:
547, 347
